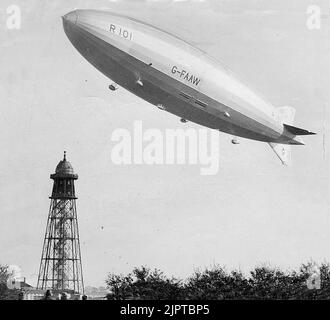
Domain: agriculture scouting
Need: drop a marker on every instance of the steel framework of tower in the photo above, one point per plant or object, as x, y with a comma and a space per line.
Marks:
60, 267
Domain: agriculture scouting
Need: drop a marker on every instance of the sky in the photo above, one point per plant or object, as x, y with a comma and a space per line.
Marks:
253, 211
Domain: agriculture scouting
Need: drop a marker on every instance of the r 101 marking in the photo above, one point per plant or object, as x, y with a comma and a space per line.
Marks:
121, 32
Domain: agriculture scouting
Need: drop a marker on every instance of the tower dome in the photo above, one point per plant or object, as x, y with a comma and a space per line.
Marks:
64, 167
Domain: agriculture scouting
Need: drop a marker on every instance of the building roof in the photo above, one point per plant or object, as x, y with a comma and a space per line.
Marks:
25, 285
64, 167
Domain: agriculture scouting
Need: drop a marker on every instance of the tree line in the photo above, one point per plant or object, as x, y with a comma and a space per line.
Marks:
218, 284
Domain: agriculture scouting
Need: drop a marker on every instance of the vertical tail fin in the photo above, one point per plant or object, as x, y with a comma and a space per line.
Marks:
285, 115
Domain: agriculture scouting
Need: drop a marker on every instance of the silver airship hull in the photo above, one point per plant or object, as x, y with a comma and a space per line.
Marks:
183, 80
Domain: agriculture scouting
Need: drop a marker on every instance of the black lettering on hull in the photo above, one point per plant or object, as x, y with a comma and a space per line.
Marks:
185, 75
119, 31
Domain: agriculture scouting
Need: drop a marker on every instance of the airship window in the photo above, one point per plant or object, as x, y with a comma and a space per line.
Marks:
185, 95
202, 104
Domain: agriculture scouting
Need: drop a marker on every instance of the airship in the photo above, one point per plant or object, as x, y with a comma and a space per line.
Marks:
177, 77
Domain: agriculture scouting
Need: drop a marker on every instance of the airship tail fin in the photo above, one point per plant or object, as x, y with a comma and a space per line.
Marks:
286, 117
283, 151
286, 114
297, 131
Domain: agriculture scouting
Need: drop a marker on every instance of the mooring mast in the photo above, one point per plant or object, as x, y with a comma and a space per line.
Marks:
60, 267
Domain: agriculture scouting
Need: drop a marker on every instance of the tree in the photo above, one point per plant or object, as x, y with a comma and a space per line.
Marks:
5, 293
120, 285
143, 283
3, 281
154, 285
217, 284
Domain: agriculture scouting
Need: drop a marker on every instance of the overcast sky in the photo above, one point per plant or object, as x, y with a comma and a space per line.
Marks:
169, 217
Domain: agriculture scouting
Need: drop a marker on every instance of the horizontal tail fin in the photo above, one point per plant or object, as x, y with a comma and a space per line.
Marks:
297, 131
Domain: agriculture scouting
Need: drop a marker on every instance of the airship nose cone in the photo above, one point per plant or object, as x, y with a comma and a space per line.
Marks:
70, 17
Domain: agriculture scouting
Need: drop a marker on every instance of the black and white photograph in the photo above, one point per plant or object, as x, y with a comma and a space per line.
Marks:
164, 150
